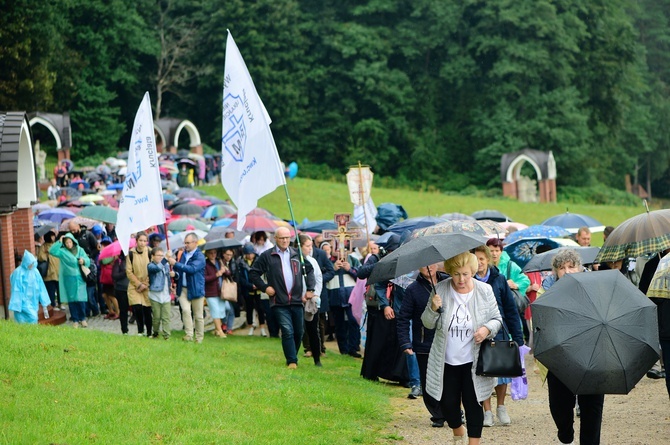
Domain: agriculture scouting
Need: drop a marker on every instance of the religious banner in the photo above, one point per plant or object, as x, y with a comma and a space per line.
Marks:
359, 181
342, 236
141, 203
251, 167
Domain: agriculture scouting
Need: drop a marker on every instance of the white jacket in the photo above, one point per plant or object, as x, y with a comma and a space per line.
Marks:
484, 310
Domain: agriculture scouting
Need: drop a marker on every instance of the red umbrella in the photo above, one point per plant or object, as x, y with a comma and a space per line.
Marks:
198, 202
254, 223
114, 249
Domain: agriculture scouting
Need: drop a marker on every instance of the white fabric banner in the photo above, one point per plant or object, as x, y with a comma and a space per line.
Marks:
250, 163
370, 211
359, 181
141, 204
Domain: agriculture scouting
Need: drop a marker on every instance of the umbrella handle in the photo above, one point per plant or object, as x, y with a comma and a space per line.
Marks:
432, 284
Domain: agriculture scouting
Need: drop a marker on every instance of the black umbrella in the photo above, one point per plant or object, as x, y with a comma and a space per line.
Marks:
493, 215
415, 223
542, 261
424, 251
596, 332
46, 227
187, 209
222, 243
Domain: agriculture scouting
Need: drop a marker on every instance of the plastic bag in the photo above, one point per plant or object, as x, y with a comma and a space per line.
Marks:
520, 384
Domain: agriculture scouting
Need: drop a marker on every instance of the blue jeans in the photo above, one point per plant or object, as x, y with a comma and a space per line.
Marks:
291, 320
273, 327
77, 310
230, 315
92, 306
412, 364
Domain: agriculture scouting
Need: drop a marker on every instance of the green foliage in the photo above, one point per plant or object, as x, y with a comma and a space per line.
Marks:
598, 194
431, 94
62, 385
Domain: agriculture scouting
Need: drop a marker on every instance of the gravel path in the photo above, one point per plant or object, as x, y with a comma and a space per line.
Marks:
639, 418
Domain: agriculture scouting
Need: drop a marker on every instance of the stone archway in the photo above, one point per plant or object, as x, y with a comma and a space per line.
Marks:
516, 186
59, 126
167, 131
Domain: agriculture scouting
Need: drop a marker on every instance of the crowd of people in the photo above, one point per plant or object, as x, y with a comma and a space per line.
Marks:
423, 332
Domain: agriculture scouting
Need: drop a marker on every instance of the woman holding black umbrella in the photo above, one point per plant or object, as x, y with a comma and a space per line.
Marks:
561, 399
464, 313
489, 274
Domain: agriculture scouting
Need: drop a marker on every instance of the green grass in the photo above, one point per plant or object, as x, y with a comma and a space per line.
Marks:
320, 200
65, 386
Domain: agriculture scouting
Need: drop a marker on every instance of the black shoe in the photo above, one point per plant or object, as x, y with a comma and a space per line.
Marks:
437, 424
654, 374
415, 392
318, 364
132, 319
355, 354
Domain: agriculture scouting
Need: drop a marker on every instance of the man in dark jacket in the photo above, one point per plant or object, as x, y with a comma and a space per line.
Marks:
284, 274
86, 239
421, 339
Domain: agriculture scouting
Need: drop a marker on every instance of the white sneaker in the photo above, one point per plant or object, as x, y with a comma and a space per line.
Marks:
251, 331
75, 324
263, 332
488, 418
503, 417
84, 324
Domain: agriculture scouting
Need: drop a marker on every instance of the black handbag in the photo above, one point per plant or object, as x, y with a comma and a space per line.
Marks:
499, 358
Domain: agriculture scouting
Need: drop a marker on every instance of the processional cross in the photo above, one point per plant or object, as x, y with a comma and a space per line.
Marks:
343, 235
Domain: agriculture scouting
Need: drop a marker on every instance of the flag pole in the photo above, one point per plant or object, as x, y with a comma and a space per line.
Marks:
295, 228
361, 192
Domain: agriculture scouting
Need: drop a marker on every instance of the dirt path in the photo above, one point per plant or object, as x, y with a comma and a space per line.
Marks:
639, 418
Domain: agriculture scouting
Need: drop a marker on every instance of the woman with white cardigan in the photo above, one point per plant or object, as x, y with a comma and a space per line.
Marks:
463, 312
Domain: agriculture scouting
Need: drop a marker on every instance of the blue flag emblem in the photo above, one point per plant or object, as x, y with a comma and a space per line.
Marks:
235, 139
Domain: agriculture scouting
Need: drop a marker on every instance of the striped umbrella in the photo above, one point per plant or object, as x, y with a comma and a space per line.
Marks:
659, 287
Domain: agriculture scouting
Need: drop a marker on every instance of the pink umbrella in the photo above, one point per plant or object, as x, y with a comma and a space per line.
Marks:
198, 202
114, 249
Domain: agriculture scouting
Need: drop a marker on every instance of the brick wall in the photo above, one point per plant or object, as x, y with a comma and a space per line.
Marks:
8, 265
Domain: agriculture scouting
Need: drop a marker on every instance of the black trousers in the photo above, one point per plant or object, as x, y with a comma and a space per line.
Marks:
122, 298
562, 404
432, 405
143, 318
312, 332
457, 388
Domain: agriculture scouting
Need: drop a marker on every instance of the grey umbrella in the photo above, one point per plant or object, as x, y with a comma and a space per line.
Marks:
222, 244
596, 332
493, 215
542, 261
424, 251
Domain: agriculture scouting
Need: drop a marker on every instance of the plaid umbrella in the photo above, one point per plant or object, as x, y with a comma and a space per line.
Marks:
660, 282
482, 227
637, 236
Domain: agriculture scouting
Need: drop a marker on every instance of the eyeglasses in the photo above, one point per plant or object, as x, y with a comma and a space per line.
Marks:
282, 237
190, 242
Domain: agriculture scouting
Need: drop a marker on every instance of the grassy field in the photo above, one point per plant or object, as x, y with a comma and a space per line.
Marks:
315, 200
65, 386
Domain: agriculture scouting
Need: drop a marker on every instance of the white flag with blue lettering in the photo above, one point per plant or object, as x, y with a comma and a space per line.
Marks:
250, 163
141, 204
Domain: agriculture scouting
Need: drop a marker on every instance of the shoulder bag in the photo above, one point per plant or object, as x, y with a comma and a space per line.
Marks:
499, 358
229, 289
522, 301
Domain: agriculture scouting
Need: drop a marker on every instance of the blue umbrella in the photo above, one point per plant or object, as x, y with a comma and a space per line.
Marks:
544, 231
415, 223
523, 250
115, 186
56, 215
573, 221
223, 222
317, 226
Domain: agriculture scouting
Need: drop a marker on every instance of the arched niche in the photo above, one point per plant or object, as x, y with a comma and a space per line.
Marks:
59, 126
167, 132
516, 186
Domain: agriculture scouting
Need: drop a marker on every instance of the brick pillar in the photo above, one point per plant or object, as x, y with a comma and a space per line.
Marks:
24, 233
8, 265
509, 189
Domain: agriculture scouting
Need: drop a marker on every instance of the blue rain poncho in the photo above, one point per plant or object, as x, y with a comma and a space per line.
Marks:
28, 290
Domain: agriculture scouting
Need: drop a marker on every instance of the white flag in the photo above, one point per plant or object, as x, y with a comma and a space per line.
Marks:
250, 163
365, 215
141, 204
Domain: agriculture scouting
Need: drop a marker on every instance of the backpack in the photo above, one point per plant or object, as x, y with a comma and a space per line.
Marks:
522, 301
